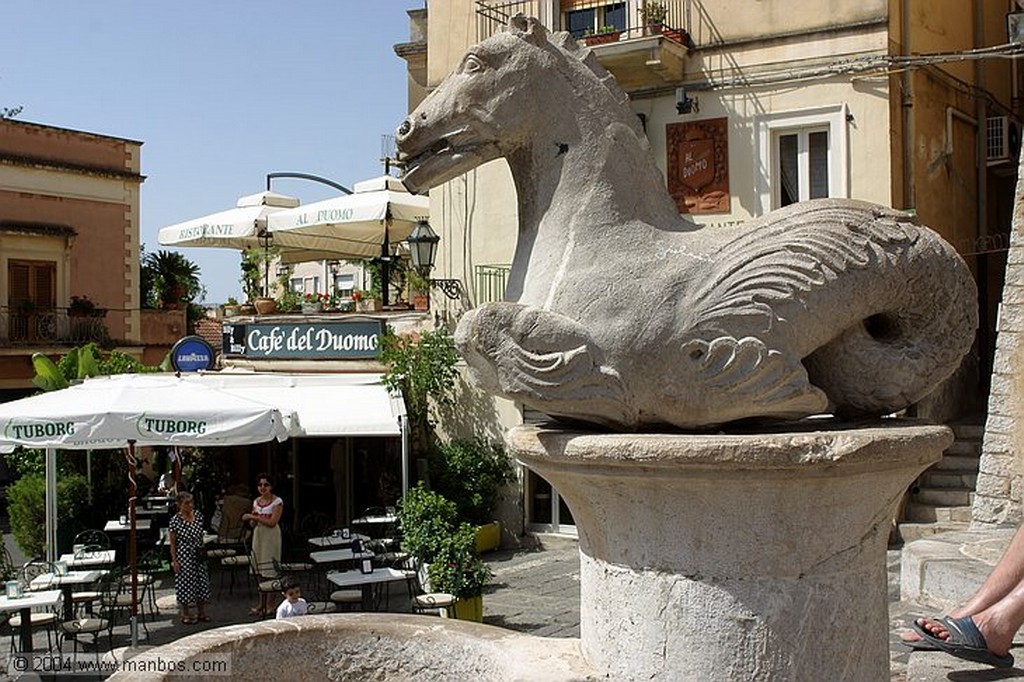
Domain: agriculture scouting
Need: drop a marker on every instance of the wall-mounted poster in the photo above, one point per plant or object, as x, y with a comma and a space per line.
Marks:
698, 165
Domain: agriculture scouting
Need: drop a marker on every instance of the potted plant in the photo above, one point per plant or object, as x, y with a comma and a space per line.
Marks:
471, 472
232, 308
458, 571
81, 306
652, 16
419, 289
606, 34
431, 533
313, 303
365, 301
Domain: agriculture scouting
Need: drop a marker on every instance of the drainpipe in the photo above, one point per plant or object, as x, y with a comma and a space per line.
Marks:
906, 110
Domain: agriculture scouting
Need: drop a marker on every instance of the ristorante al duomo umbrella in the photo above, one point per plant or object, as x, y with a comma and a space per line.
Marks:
358, 225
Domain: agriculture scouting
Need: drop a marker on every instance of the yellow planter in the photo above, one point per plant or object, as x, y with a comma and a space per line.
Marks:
470, 609
488, 537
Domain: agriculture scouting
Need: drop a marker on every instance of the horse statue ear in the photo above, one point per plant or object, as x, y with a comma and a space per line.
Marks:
528, 28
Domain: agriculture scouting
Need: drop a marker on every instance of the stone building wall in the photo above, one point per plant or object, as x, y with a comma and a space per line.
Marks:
998, 494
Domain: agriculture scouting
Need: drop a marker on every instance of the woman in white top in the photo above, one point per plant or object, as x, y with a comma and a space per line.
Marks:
266, 538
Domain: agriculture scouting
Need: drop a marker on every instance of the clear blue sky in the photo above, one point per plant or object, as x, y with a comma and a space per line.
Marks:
220, 92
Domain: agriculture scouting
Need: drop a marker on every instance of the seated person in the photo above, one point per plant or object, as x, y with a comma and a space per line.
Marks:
235, 503
293, 604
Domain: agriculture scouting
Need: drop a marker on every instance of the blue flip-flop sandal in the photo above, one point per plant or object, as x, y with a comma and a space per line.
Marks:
965, 641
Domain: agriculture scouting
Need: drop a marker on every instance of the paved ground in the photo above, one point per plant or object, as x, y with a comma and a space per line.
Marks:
535, 591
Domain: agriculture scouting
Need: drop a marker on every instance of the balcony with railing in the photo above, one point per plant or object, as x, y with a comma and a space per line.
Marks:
640, 49
491, 281
30, 326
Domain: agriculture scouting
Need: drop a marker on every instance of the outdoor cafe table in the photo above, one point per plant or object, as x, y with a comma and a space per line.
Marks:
333, 556
366, 581
66, 583
25, 604
337, 540
116, 526
101, 557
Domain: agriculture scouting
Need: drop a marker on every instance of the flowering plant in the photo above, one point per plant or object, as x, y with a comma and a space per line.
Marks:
81, 305
361, 295
316, 298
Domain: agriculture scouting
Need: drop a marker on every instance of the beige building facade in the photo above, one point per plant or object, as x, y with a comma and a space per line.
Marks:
750, 106
69, 233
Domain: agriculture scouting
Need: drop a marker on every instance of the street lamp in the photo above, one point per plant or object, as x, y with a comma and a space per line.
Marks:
422, 250
266, 239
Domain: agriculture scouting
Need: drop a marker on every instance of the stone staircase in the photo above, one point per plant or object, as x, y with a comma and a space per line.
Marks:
940, 499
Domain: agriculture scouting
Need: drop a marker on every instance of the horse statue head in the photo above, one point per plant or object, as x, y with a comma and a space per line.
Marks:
522, 92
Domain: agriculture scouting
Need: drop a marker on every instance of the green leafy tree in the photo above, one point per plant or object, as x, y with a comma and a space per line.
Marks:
27, 508
425, 517
172, 282
422, 367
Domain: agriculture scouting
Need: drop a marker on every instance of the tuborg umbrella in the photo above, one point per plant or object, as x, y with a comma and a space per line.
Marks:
134, 409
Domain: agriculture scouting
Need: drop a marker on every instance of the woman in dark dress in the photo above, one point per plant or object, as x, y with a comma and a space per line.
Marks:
191, 579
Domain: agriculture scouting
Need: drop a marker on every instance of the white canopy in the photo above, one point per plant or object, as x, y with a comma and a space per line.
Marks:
324, 404
129, 410
236, 228
108, 412
355, 225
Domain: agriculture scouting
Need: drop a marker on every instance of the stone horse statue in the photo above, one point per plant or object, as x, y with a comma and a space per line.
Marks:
619, 312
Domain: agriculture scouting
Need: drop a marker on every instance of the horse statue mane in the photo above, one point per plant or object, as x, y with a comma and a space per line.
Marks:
622, 313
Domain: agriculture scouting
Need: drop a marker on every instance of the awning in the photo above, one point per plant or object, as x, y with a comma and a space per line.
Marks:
324, 404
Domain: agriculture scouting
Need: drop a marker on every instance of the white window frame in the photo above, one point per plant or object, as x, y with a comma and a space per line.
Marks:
769, 126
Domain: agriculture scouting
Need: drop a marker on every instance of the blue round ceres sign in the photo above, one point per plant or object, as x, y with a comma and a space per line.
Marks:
192, 354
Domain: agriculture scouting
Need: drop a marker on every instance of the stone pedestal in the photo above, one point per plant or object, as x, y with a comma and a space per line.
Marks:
734, 556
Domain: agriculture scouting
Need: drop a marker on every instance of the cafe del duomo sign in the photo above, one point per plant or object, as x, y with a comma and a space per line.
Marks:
322, 340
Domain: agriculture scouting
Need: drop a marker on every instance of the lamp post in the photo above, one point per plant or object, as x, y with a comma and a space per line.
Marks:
266, 239
422, 251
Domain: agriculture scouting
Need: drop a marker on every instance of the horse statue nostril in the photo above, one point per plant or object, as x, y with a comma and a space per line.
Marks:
405, 127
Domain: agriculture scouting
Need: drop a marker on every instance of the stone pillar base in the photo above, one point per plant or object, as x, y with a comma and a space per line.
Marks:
734, 557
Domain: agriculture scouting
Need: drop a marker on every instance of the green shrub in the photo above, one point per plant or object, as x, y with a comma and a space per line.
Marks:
470, 473
456, 568
425, 518
26, 502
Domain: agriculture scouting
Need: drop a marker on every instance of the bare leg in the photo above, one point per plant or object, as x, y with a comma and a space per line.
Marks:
1007, 576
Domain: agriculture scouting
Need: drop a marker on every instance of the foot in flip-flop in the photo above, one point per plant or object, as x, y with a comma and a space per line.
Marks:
915, 641
966, 641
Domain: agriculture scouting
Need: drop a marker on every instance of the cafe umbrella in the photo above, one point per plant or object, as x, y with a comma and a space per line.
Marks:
379, 212
128, 410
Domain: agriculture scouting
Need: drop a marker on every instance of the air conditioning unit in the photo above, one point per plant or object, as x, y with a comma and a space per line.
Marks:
1001, 139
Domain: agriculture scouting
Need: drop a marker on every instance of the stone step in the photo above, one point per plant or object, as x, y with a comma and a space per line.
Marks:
965, 448
956, 463
943, 497
909, 531
949, 479
916, 512
969, 430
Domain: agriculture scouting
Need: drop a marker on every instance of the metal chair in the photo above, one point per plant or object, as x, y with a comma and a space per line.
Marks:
46, 619
79, 627
423, 599
94, 538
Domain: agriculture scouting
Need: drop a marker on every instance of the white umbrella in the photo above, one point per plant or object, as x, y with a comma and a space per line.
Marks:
129, 410
358, 225
236, 228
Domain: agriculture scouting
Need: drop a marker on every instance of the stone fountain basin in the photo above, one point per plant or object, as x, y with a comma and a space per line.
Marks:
368, 647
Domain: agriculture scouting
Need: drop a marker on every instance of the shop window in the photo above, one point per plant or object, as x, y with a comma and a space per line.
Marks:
805, 156
801, 166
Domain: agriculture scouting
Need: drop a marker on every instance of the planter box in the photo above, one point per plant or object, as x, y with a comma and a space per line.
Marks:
309, 308
471, 609
601, 38
488, 537
370, 305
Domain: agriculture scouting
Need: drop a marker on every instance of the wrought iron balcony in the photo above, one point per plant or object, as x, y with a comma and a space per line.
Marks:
20, 326
638, 52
